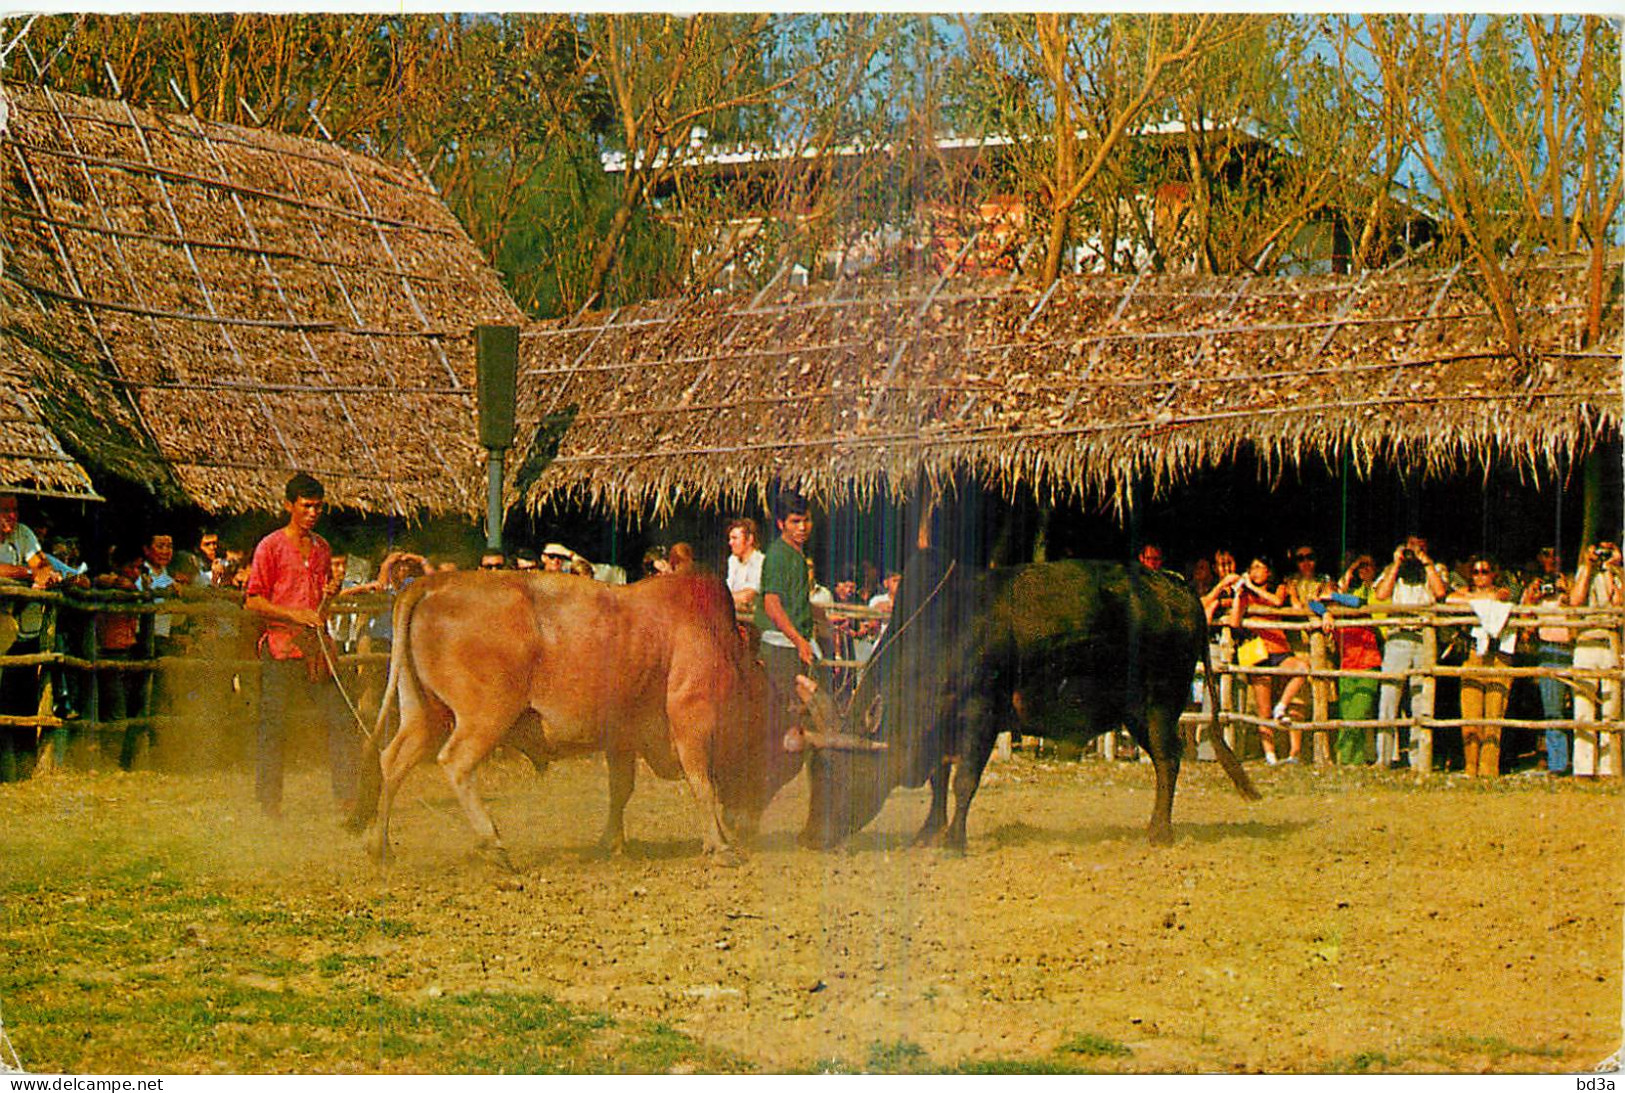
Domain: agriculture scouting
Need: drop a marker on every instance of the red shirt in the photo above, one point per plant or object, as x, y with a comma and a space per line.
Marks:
1358, 649
280, 575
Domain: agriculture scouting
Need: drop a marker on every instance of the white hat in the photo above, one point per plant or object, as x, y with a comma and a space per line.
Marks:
558, 550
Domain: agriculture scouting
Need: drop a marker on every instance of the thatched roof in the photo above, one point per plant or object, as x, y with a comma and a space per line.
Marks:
1101, 382
31, 458
205, 308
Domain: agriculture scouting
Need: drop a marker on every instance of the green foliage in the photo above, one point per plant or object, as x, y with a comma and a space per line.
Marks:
1504, 128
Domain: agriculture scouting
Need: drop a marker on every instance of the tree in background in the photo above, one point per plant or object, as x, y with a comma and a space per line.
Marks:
1071, 91
1514, 123
1251, 128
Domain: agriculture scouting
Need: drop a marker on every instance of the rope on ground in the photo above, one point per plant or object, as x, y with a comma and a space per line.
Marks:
9, 1062
333, 667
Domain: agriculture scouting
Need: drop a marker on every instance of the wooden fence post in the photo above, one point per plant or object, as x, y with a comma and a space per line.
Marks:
1422, 744
53, 745
92, 710
1320, 702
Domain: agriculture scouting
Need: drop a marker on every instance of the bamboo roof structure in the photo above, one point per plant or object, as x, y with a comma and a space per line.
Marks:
205, 308
1096, 386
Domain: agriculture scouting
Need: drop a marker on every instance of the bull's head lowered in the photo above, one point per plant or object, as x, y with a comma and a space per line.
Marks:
751, 766
895, 705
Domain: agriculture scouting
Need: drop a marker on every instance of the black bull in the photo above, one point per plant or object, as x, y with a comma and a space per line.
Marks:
1078, 647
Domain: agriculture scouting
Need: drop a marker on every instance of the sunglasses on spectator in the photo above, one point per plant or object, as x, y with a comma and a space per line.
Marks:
1306, 556
1483, 570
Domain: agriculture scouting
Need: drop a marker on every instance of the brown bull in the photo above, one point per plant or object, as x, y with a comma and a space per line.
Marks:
559, 665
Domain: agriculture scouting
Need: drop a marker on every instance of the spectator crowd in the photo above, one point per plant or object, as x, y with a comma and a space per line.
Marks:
774, 584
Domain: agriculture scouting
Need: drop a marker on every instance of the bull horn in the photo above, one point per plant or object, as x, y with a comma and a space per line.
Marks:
841, 741
819, 705
828, 733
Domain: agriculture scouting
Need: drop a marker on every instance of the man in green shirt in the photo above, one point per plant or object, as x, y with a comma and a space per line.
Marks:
784, 612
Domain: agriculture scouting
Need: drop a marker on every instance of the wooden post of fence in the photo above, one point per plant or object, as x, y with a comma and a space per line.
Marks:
1422, 742
1320, 700
1227, 687
91, 710
136, 746
53, 745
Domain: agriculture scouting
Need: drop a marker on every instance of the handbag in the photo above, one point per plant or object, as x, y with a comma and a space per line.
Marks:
1251, 652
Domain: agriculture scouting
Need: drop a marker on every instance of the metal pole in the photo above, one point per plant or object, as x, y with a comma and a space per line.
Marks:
497, 362
493, 499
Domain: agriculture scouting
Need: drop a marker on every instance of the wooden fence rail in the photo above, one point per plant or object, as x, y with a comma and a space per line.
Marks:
34, 670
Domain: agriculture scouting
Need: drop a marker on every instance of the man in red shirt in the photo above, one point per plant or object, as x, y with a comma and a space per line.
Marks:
287, 583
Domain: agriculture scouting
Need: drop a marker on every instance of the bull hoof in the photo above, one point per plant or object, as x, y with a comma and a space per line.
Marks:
495, 854
725, 856
377, 847
814, 840
928, 836
1160, 835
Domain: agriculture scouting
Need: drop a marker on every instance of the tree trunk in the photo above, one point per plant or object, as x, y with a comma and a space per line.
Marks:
1057, 241
609, 248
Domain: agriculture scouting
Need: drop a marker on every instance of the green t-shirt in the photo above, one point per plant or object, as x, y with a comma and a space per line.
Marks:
784, 574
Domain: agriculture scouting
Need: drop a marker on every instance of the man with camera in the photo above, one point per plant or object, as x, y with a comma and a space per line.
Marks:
1554, 648
1598, 583
1412, 579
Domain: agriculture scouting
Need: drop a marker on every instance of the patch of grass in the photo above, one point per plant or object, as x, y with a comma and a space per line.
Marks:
988, 1067
336, 927
335, 964
270, 1031
898, 1057
831, 1066
1495, 1047
1363, 1062
1087, 1043
660, 1049
129, 969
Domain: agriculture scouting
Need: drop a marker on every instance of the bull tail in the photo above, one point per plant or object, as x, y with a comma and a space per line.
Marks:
372, 748
401, 625
1227, 758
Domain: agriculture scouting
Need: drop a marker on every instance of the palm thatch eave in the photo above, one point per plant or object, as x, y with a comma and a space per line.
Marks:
1100, 386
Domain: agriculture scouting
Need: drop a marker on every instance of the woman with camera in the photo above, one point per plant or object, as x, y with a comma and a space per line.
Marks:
1410, 580
1554, 648
1273, 651
1484, 695
1597, 583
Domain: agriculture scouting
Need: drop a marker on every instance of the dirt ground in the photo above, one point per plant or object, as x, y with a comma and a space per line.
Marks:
1352, 920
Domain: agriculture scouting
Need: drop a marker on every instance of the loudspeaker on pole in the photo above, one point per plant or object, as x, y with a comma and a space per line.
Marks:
497, 359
